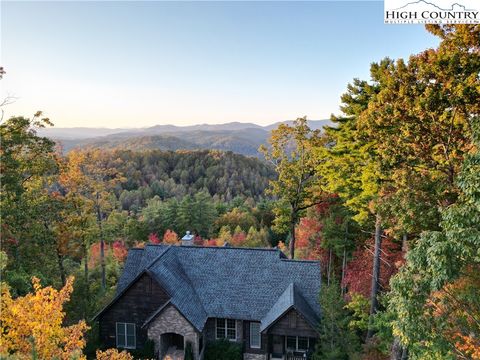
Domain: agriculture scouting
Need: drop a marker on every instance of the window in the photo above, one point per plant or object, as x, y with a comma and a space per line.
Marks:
231, 329
126, 335
291, 342
220, 328
226, 329
255, 337
297, 343
302, 343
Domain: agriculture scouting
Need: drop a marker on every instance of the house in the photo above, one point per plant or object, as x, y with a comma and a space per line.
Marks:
176, 295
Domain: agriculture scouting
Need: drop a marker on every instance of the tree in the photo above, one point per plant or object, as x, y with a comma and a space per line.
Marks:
34, 323
236, 218
256, 238
351, 168
291, 153
336, 340
239, 237
93, 175
26, 158
357, 273
224, 236
170, 237
421, 113
435, 295
30, 204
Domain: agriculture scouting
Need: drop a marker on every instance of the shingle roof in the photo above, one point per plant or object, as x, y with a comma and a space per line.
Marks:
283, 303
226, 282
291, 298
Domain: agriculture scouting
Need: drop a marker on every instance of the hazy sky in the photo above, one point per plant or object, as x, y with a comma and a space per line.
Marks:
132, 64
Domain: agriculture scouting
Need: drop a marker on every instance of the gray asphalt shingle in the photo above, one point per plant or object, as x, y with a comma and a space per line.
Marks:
227, 282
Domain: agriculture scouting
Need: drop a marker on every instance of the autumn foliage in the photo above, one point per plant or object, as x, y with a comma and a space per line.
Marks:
170, 237
113, 354
35, 322
117, 249
459, 305
154, 239
358, 273
308, 233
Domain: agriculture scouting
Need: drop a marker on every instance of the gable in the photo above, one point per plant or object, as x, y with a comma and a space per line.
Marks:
138, 301
292, 323
170, 320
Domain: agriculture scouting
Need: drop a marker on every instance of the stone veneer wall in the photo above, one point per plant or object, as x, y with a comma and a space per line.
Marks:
171, 321
248, 356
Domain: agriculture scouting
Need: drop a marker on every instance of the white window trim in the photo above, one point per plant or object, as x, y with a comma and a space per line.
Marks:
296, 343
134, 335
226, 329
259, 336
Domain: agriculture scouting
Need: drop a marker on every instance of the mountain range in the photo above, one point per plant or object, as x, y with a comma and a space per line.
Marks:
241, 138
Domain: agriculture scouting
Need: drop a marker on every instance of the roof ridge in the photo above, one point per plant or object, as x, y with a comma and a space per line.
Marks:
301, 261
191, 283
157, 258
292, 295
228, 248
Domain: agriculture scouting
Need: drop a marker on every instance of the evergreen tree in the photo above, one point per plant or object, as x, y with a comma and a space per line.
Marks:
336, 340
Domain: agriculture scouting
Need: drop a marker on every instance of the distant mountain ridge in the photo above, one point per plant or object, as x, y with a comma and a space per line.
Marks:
241, 138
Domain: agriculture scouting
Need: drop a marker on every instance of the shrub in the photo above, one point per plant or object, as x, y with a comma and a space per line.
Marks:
223, 350
113, 354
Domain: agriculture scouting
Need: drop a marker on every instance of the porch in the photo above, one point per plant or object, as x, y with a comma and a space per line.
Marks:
288, 347
172, 347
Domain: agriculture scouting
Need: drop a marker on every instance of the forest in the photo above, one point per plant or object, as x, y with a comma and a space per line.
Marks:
387, 198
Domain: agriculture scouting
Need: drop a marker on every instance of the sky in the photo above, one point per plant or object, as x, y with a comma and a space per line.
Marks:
138, 64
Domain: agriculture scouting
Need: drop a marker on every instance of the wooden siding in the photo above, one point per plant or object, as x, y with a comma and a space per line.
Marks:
284, 326
135, 306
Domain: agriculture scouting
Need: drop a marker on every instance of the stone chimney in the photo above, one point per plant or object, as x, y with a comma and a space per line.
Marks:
187, 239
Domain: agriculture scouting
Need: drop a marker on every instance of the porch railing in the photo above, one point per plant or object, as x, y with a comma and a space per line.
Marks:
296, 356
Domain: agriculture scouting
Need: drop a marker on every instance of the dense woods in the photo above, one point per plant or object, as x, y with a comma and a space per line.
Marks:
387, 198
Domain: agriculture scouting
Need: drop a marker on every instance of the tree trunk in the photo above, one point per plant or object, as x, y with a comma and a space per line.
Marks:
86, 299
102, 244
292, 238
404, 243
344, 265
85, 265
344, 260
63, 276
329, 266
397, 350
375, 275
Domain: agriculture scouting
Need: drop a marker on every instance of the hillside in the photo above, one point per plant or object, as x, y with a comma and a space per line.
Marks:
241, 138
169, 174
